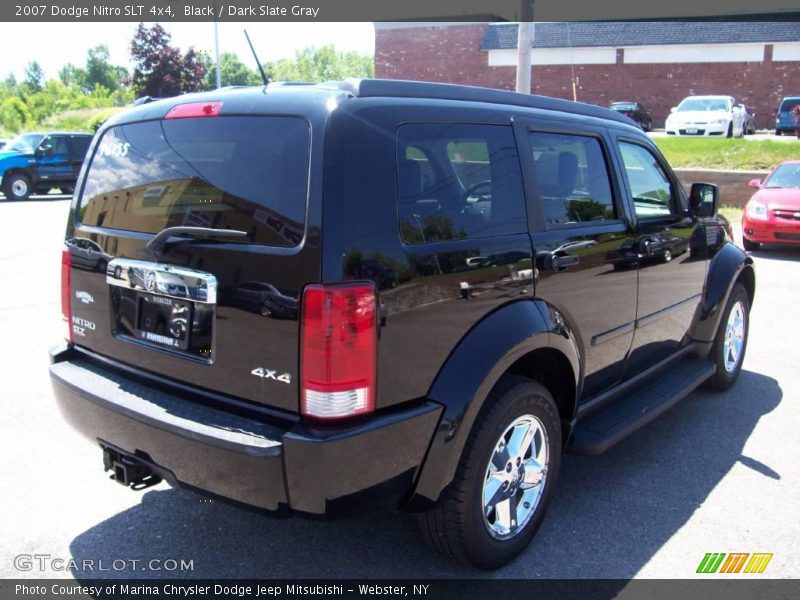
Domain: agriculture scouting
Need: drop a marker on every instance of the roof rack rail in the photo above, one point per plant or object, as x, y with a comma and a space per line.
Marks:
396, 88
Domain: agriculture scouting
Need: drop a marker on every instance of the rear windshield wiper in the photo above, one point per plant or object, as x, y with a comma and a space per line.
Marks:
156, 245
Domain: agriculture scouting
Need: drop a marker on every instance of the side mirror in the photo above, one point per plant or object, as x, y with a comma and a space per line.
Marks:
755, 183
703, 199
673, 109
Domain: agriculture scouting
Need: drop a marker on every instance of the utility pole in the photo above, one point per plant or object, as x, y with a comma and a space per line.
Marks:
524, 43
216, 48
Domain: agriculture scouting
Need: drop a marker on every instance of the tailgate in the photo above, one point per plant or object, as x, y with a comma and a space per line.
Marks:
220, 314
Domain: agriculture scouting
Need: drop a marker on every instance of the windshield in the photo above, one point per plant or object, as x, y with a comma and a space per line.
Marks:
245, 173
785, 176
25, 143
703, 104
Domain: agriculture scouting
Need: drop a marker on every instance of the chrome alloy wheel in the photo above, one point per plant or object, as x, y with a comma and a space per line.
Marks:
19, 187
734, 337
515, 477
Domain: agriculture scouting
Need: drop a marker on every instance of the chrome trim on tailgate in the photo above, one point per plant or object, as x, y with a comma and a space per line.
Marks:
163, 279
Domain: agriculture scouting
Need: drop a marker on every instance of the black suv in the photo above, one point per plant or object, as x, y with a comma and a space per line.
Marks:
485, 224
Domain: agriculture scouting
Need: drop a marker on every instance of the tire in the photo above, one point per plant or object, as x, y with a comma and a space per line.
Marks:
67, 189
778, 132
457, 527
667, 256
728, 366
265, 311
729, 134
17, 187
750, 246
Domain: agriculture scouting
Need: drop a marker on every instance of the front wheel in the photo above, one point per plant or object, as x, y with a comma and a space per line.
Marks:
730, 343
17, 187
505, 477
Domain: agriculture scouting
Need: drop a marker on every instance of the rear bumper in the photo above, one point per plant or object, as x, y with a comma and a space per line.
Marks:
328, 471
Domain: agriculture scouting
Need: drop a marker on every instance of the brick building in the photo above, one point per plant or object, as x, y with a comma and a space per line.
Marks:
656, 63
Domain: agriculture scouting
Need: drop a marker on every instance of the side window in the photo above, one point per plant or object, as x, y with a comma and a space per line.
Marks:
80, 145
54, 145
649, 185
573, 179
458, 181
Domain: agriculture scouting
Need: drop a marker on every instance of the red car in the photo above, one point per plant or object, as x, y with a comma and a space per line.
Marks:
773, 213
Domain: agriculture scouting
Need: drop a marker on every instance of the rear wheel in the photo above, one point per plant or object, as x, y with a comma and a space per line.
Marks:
730, 343
17, 186
506, 474
750, 246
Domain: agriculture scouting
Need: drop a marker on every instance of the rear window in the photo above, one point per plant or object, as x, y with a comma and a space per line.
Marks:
788, 105
245, 173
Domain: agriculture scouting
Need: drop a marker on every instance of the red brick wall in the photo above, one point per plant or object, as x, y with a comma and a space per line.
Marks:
451, 54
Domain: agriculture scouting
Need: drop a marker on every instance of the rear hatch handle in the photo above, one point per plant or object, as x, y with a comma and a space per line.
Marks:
156, 245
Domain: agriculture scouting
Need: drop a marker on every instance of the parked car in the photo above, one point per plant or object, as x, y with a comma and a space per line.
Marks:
459, 413
39, 162
266, 299
88, 254
773, 213
749, 120
784, 120
636, 111
706, 116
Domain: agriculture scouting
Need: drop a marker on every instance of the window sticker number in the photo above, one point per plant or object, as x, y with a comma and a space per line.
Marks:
118, 149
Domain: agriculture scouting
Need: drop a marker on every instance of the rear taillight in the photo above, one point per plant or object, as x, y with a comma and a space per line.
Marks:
66, 292
338, 350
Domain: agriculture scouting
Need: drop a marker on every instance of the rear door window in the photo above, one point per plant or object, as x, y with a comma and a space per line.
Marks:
80, 145
232, 172
458, 181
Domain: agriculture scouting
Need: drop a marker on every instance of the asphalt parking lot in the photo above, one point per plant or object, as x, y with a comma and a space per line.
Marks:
718, 473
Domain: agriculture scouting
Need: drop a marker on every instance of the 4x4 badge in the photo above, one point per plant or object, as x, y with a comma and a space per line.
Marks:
270, 374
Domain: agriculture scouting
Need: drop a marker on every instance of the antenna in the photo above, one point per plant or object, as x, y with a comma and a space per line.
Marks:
258, 62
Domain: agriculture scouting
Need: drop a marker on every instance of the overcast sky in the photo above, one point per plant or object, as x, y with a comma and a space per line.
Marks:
55, 44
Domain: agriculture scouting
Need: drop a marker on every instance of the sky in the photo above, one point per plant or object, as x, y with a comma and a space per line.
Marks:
55, 44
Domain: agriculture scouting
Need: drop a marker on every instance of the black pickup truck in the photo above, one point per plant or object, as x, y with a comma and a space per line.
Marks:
322, 299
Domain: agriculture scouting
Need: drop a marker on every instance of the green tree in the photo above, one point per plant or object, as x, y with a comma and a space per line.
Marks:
14, 114
321, 64
99, 71
69, 74
34, 76
232, 71
162, 70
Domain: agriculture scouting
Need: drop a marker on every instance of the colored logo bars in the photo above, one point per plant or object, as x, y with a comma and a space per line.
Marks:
717, 562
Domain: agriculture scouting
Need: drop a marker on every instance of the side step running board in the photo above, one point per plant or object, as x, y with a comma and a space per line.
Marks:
602, 429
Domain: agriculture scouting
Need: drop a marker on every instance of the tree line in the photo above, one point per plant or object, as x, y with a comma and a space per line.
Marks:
160, 70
